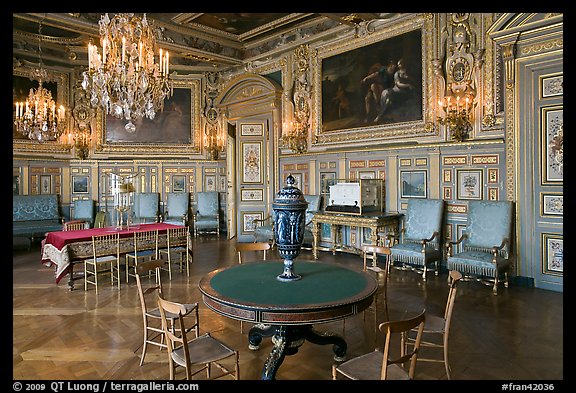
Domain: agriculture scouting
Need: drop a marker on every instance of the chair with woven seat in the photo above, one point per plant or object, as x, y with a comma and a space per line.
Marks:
200, 353
378, 364
253, 248
439, 326
207, 215
105, 252
485, 244
381, 275
145, 248
177, 208
419, 244
177, 250
148, 295
74, 225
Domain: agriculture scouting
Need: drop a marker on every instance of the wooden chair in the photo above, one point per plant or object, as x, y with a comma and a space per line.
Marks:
74, 225
110, 258
177, 249
251, 247
145, 248
100, 219
247, 247
153, 332
381, 276
438, 325
378, 364
202, 351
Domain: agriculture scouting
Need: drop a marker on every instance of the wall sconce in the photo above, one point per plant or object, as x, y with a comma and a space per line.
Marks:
213, 142
458, 110
296, 136
80, 140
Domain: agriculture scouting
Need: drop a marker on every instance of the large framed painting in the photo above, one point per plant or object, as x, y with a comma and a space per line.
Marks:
377, 84
24, 79
173, 130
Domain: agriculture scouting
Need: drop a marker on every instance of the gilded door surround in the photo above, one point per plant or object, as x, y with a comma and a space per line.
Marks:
251, 98
523, 38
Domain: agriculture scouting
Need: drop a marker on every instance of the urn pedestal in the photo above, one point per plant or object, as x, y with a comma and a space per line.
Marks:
290, 212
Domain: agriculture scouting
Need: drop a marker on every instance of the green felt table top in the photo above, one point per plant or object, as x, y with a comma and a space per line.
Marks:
255, 283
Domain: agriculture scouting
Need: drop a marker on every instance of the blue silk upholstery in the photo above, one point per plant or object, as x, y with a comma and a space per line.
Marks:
488, 227
34, 215
146, 207
84, 210
423, 218
207, 217
177, 206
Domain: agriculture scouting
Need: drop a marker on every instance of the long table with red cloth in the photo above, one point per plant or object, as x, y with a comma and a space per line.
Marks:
62, 248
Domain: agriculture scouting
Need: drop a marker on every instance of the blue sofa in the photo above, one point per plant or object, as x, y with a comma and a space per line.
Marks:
34, 215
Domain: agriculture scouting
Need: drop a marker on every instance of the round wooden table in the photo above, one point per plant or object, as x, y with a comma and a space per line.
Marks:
287, 311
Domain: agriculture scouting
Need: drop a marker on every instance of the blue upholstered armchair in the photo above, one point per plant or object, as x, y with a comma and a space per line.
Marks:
146, 207
176, 208
485, 244
84, 210
264, 231
419, 245
207, 215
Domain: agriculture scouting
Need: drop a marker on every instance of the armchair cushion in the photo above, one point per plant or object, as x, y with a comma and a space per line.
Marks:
489, 222
84, 210
423, 218
177, 206
146, 206
207, 217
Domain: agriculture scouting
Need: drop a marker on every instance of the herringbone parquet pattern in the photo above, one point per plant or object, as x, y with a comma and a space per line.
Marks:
68, 335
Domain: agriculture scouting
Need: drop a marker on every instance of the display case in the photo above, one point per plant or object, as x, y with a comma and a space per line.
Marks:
356, 196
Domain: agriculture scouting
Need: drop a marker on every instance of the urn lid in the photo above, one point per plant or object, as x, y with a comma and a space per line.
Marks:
290, 196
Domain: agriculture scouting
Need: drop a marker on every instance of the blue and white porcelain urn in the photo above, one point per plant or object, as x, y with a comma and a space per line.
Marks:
290, 212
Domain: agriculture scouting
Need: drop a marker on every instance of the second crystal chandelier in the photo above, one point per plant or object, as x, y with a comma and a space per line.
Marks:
126, 81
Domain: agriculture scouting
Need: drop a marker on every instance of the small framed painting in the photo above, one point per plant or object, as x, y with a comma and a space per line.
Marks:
45, 184
178, 183
79, 184
413, 184
469, 184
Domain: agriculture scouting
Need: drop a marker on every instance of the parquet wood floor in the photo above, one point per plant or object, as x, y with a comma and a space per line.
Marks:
76, 335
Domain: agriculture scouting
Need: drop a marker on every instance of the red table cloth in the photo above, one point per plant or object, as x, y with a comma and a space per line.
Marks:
56, 246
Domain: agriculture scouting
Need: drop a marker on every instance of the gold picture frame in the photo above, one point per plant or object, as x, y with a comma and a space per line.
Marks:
61, 80
107, 144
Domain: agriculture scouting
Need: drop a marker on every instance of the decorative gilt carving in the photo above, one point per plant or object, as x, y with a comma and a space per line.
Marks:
296, 137
462, 69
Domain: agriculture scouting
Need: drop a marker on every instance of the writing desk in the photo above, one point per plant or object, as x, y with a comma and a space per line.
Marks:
378, 222
62, 248
287, 311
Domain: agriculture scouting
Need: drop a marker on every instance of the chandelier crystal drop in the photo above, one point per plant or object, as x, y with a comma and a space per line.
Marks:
126, 80
39, 118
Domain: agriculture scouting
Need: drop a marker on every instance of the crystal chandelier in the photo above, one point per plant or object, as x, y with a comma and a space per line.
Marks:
38, 118
126, 81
